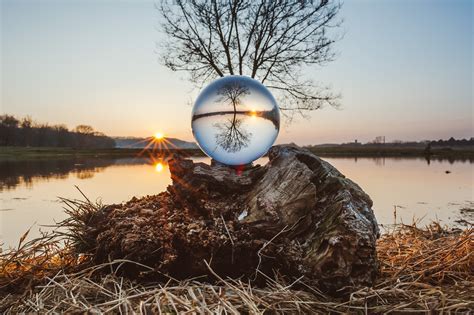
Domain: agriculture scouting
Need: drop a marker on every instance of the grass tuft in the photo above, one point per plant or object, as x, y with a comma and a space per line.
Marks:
421, 270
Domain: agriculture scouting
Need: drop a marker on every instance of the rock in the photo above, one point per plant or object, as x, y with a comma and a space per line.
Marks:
296, 216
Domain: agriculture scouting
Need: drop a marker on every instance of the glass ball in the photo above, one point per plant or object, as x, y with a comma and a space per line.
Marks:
235, 120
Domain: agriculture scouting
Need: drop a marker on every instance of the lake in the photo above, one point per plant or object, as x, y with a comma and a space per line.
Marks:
29, 189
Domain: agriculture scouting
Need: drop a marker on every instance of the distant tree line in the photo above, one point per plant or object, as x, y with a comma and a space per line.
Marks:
380, 141
27, 133
453, 142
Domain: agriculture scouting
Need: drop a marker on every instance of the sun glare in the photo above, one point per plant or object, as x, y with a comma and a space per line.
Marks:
159, 167
159, 136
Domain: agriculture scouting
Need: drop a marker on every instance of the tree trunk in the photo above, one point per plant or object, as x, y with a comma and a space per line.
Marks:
296, 216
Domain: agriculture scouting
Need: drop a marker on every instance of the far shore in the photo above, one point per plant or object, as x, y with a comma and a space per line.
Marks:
393, 151
14, 153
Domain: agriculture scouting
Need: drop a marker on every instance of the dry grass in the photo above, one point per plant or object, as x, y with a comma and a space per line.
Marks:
421, 269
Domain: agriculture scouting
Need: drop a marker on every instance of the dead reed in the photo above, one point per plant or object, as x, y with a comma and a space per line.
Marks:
421, 270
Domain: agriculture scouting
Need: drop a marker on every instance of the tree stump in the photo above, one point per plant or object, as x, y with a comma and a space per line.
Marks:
297, 216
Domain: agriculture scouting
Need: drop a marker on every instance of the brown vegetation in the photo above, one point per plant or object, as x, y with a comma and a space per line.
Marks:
421, 269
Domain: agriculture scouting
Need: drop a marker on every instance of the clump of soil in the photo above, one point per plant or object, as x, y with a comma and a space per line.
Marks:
174, 239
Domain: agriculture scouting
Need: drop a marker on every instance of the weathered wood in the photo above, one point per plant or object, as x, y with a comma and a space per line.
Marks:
296, 216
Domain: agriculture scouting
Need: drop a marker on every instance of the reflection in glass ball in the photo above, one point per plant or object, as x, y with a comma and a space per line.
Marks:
235, 120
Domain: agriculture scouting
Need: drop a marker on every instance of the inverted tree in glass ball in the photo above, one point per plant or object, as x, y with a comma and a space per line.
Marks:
235, 120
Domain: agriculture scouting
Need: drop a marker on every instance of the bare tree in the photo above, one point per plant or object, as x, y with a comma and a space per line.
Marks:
231, 135
233, 93
84, 129
269, 40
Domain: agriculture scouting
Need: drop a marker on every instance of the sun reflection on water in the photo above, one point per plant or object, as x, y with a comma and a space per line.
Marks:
159, 167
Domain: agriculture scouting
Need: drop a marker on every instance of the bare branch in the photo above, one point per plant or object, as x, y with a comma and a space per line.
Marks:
268, 40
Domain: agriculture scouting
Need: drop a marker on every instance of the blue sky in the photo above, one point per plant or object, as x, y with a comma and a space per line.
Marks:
403, 68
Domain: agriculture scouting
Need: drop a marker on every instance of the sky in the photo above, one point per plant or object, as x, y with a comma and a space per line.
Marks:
404, 70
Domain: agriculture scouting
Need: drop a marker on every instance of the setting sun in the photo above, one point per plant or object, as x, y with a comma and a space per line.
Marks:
159, 136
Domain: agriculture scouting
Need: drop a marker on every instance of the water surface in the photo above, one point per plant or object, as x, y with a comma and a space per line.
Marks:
29, 189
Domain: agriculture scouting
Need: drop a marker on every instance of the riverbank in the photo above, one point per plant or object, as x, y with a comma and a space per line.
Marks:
393, 151
420, 270
128, 257
15, 153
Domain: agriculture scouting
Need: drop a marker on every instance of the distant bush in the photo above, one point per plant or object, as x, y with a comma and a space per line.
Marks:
453, 142
27, 133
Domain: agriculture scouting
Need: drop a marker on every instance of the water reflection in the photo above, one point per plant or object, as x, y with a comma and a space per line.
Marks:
231, 136
26, 172
29, 172
235, 120
418, 188
450, 160
159, 167
31, 195
380, 160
